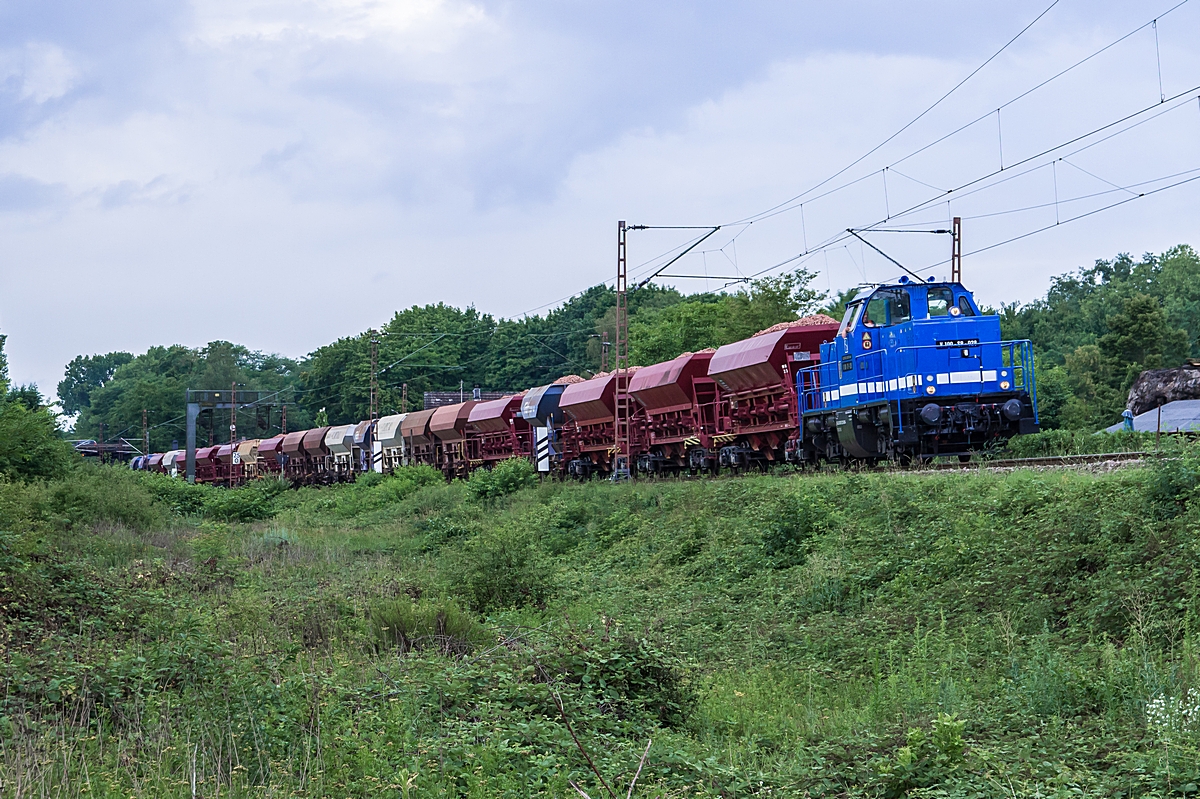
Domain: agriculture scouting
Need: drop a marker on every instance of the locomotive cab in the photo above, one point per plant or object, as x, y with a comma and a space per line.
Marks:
916, 370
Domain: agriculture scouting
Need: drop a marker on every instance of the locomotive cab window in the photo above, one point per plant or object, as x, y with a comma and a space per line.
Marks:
964, 305
887, 307
940, 301
849, 319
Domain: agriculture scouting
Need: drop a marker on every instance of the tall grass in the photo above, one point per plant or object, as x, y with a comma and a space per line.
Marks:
953, 634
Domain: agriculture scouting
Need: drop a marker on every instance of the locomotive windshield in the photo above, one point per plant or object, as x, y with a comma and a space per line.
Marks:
887, 307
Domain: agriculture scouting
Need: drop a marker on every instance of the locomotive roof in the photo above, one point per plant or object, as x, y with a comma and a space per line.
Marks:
903, 283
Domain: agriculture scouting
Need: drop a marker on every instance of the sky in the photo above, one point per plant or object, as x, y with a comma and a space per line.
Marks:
283, 173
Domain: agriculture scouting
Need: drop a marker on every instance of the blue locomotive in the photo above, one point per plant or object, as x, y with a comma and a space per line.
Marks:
915, 371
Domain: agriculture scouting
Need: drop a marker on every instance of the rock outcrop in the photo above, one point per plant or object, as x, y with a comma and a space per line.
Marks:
1156, 387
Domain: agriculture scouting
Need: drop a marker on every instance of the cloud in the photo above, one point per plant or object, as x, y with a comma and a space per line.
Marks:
19, 193
38, 72
218, 166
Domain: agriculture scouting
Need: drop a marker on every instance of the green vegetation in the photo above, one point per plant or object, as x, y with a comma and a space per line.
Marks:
1098, 328
952, 634
114, 389
29, 441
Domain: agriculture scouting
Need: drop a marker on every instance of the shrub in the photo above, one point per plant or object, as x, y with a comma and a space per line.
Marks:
247, 503
925, 760
629, 676
29, 443
179, 496
506, 477
408, 625
502, 569
790, 523
91, 494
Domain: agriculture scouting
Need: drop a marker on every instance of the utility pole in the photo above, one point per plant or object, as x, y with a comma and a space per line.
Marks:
956, 252
145, 435
374, 375
621, 366
283, 419
100, 444
604, 352
404, 399
233, 456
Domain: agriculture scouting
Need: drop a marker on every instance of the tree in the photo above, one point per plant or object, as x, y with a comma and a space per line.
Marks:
85, 374
1139, 337
157, 380
30, 446
714, 320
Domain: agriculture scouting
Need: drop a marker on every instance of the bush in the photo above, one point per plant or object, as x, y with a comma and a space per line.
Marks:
91, 494
29, 443
179, 496
789, 525
506, 477
629, 676
502, 569
409, 625
247, 503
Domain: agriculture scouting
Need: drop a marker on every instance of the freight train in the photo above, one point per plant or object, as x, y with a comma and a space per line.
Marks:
913, 371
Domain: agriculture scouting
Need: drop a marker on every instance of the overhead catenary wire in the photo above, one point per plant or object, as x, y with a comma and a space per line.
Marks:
910, 123
792, 203
958, 190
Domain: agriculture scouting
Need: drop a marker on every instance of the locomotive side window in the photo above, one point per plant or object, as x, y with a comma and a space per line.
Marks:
964, 305
849, 319
940, 301
887, 307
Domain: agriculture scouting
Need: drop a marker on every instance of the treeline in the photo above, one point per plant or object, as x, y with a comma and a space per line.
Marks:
428, 348
1094, 332
1098, 328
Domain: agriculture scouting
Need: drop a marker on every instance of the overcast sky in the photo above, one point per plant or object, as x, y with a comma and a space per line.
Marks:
284, 172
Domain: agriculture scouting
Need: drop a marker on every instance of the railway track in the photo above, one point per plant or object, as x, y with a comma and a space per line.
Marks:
1049, 460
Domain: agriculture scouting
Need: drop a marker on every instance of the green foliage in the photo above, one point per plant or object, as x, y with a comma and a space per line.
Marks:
790, 525
627, 674
30, 446
85, 374
933, 634
156, 381
506, 477
407, 625
93, 494
925, 760
714, 320
246, 503
1079, 442
502, 569
1097, 329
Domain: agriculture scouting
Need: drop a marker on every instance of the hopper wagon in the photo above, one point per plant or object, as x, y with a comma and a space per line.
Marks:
758, 413
448, 426
499, 432
679, 402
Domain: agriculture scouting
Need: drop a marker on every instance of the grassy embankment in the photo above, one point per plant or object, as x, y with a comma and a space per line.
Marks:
958, 634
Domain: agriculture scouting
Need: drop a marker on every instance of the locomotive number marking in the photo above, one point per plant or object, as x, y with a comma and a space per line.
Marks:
958, 342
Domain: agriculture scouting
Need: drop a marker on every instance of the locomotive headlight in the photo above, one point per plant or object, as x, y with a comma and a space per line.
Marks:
930, 390
1004, 385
